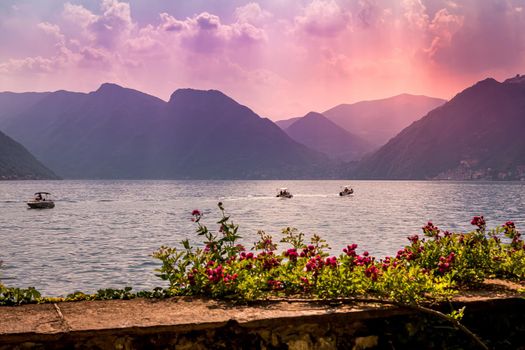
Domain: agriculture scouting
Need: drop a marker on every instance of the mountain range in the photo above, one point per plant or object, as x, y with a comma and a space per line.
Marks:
120, 133
115, 132
476, 135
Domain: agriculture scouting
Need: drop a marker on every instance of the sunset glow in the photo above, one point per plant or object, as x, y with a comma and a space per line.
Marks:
280, 58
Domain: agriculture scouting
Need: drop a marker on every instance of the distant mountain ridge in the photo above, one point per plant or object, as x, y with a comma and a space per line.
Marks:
379, 120
285, 123
319, 133
16, 163
116, 132
476, 135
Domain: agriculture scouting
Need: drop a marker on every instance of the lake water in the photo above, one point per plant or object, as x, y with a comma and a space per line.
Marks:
102, 233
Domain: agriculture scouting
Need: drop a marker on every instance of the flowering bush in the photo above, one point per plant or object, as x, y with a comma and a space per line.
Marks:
432, 267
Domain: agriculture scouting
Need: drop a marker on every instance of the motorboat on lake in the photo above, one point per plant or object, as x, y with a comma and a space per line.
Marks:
284, 193
347, 190
41, 200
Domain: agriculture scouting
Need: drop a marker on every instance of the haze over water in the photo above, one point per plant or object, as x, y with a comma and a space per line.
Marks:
102, 233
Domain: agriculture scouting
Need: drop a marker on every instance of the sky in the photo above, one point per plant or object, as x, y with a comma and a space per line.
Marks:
281, 58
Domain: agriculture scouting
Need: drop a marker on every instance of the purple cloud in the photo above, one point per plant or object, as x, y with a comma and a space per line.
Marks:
206, 21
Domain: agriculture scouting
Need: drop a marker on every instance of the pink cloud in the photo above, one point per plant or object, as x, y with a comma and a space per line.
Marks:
30, 64
252, 13
443, 27
52, 29
206, 33
171, 24
323, 18
94, 57
147, 42
369, 13
114, 24
78, 14
415, 14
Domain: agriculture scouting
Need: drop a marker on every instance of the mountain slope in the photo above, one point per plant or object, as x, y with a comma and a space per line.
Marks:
85, 135
478, 134
116, 132
217, 137
12, 103
319, 133
16, 163
379, 120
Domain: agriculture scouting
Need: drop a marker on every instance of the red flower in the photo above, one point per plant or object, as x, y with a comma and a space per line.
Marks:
478, 221
430, 230
332, 262
446, 262
413, 239
350, 250
372, 272
291, 254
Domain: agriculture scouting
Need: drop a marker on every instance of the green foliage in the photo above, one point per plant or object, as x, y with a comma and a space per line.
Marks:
112, 294
18, 296
457, 314
78, 296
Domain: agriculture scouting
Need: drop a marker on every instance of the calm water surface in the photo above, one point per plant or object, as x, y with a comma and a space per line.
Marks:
102, 233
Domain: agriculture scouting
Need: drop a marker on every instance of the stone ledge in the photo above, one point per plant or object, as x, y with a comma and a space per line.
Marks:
175, 314
196, 322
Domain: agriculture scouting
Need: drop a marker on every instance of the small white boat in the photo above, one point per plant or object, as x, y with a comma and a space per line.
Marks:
41, 200
347, 190
284, 193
